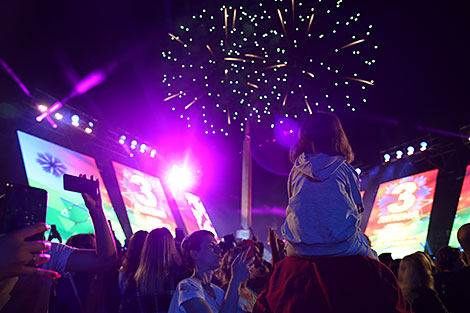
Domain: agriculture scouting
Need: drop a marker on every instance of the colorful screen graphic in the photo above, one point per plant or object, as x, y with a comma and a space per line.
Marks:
193, 213
399, 219
145, 201
45, 164
462, 216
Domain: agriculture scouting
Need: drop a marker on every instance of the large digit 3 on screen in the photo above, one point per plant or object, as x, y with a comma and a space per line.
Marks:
462, 216
144, 198
45, 164
399, 219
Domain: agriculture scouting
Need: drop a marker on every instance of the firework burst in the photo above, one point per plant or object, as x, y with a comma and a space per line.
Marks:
280, 58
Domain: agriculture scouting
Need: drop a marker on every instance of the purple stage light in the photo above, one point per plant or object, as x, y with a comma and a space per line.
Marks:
88, 82
15, 78
46, 114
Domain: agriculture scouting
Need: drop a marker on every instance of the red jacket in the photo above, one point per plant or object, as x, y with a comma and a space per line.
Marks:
331, 284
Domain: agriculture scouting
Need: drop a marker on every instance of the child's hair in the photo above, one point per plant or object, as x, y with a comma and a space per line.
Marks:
322, 132
193, 243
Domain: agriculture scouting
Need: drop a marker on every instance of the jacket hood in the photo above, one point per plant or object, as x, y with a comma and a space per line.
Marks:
320, 166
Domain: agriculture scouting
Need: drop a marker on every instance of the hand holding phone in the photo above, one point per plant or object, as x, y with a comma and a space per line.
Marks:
24, 206
81, 184
89, 188
18, 257
248, 243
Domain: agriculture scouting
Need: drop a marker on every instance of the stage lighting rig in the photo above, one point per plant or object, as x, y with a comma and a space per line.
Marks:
412, 148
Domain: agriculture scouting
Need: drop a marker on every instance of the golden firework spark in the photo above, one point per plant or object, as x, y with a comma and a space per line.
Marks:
274, 66
282, 21
234, 59
190, 104
293, 13
310, 74
228, 117
173, 96
226, 23
252, 85
308, 106
285, 99
309, 24
359, 80
176, 38
234, 17
210, 50
352, 44
253, 56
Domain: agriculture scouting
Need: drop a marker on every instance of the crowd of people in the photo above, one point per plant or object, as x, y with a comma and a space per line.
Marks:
322, 262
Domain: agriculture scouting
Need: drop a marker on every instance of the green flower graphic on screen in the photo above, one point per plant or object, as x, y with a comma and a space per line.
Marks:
45, 165
51, 164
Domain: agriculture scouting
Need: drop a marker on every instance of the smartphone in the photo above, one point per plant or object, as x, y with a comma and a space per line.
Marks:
24, 206
247, 243
179, 235
80, 184
229, 242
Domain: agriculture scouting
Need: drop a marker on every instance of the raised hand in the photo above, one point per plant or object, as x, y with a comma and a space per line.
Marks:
20, 258
92, 202
241, 267
277, 246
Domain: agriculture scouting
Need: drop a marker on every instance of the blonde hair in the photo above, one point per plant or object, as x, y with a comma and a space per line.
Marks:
158, 257
322, 133
414, 273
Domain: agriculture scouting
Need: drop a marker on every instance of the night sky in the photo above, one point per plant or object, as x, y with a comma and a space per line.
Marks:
420, 75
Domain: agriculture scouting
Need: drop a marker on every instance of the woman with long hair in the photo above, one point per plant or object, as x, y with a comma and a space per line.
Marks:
417, 283
132, 258
155, 280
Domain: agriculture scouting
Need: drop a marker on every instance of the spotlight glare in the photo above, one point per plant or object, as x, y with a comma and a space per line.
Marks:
399, 154
58, 116
358, 171
42, 108
88, 130
180, 178
387, 157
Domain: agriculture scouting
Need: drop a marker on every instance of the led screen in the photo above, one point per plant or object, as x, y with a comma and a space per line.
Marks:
400, 215
144, 198
462, 216
193, 213
45, 164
